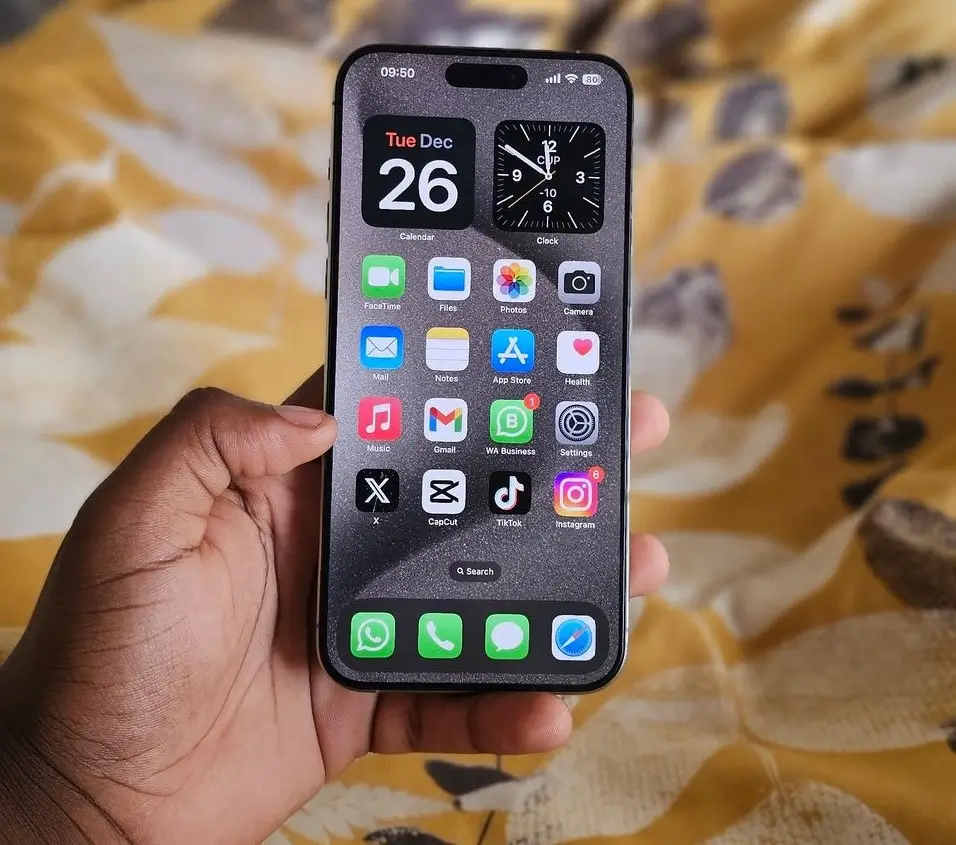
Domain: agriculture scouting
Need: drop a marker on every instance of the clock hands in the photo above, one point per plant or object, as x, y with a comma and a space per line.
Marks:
547, 176
509, 149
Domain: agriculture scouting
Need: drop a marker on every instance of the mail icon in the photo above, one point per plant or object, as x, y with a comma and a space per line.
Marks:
382, 348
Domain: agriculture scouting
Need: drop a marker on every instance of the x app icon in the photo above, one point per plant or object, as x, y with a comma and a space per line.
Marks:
376, 490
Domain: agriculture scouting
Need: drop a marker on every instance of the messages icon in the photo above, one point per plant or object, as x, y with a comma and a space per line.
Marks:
507, 636
449, 279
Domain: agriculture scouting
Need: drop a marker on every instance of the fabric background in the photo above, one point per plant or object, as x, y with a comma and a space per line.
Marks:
162, 196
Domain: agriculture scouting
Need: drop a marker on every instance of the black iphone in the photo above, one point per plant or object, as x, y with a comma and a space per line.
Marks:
475, 512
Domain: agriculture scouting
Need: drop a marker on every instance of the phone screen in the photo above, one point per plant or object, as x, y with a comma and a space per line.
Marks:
475, 501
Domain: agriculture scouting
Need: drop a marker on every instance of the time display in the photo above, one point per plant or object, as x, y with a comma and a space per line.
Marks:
418, 172
549, 176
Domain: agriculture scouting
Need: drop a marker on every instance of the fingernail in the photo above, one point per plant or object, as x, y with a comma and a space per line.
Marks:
302, 417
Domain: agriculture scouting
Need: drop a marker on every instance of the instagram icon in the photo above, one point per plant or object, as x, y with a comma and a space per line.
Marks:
575, 495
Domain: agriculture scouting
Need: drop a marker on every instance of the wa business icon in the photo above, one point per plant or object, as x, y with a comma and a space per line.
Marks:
446, 420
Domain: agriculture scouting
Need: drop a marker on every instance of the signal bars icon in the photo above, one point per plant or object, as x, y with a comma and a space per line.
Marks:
554, 79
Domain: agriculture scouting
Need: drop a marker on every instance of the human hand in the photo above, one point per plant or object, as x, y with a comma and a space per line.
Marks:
167, 688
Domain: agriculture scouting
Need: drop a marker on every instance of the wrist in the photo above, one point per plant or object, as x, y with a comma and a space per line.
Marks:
38, 802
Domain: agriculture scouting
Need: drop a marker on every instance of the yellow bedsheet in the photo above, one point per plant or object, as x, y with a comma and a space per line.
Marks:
162, 213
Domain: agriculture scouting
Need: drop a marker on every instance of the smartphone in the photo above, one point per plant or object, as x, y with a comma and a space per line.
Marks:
475, 530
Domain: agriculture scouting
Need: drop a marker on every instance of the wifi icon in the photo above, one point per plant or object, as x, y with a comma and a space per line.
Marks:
571, 78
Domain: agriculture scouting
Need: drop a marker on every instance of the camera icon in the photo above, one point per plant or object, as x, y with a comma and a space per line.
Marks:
579, 282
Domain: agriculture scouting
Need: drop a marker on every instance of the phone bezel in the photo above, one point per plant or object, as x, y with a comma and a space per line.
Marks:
510, 682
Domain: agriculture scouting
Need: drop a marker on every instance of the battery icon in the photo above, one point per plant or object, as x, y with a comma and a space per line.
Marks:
592, 79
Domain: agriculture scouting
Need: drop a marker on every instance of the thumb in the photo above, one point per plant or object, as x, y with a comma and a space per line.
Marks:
212, 441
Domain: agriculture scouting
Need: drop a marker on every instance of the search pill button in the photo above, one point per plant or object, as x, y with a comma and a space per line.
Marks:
472, 572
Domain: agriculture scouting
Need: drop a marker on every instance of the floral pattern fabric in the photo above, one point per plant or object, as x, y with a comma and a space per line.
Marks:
163, 181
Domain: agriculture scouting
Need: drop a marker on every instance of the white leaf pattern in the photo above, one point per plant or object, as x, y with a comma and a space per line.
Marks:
228, 91
941, 277
9, 218
9, 637
113, 275
665, 365
824, 691
223, 241
311, 270
822, 14
704, 562
89, 334
752, 603
315, 149
671, 724
811, 812
341, 811
43, 484
913, 182
707, 453
189, 165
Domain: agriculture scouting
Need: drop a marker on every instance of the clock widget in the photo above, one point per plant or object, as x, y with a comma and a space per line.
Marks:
549, 176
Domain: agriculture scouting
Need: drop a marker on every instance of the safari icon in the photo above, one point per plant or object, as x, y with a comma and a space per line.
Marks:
373, 635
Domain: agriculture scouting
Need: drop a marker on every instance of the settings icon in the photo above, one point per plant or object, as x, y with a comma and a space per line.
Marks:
576, 423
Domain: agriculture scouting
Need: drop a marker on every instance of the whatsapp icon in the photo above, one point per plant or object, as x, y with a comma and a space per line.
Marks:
511, 421
373, 635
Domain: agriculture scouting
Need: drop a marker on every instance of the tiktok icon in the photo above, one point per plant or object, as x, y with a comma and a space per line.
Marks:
509, 493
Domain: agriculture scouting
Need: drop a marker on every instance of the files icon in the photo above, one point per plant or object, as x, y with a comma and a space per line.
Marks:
449, 279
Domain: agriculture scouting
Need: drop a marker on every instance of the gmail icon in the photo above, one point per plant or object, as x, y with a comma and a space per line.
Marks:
382, 348
446, 420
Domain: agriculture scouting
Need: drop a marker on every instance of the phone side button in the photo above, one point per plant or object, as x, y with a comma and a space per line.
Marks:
471, 572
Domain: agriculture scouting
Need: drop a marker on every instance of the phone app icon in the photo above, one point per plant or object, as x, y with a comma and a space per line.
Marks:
382, 348
439, 636
574, 638
507, 636
383, 276
373, 635
512, 351
514, 280
444, 491
575, 495
446, 420
509, 493
376, 490
576, 423
511, 421
447, 349
579, 282
449, 279
380, 418
579, 353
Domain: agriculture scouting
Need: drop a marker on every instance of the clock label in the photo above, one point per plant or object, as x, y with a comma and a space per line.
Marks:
549, 176
418, 172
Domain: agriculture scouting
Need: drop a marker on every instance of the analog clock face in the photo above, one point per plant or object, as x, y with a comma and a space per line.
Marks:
549, 176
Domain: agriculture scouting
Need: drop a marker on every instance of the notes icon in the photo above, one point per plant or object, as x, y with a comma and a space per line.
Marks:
380, 418
446, 350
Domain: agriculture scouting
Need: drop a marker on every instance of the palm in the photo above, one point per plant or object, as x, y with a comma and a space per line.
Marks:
170, 667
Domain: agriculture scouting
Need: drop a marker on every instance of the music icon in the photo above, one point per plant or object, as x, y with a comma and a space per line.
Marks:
380, 418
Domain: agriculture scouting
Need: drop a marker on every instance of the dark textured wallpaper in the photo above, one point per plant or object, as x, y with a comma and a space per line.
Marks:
402, 556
